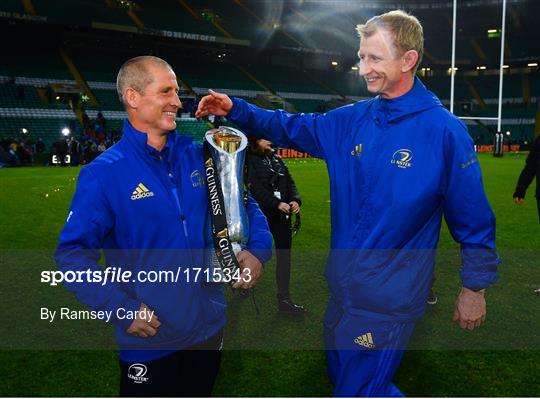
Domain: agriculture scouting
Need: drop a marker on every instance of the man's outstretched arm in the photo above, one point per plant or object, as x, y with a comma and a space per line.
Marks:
316, 134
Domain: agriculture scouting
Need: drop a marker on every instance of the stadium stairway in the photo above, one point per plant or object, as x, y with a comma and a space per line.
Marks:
77, 75
211, 19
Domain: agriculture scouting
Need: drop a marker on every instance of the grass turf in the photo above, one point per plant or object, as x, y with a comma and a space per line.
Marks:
286, 357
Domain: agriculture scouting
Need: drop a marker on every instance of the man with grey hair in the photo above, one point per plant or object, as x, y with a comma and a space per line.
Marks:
397, 163
144, 202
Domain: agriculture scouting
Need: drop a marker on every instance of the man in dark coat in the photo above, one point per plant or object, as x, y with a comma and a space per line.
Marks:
272, 186
531, 169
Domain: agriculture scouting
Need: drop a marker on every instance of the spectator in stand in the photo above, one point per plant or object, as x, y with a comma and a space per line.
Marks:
89, 151
116, 136
61, 151
13, 159
5, 144
40, 146
529, 172
101, 135
24, 153
14, 145
85, 120
75, 152
91, 133
100, 120
102, 147
4, 157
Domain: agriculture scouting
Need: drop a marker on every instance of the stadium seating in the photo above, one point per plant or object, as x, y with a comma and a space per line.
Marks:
281, 79
228, 15
102, 67
176, 18
346, 84
82, 12
214, 75
39, 63
19, 96
12, 6
303, 105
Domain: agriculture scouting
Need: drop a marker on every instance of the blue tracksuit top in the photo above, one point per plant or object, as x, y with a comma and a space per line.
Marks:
396, 166
148, 210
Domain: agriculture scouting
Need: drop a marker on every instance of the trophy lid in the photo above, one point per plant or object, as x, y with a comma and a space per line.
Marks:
226, 139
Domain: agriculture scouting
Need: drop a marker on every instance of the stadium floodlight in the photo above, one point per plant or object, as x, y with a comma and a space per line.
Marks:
532, 64
506, 66
508, 132
354, 68
66, 131
24, 130
58, 97
449, 70
334, 63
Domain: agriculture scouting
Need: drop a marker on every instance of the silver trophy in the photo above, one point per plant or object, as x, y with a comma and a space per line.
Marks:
227, 146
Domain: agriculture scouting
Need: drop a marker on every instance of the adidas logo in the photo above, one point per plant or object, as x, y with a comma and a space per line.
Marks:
141, 192
365, 340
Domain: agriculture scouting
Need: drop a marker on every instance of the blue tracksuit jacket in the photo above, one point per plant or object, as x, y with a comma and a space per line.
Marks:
148, 210
396, 166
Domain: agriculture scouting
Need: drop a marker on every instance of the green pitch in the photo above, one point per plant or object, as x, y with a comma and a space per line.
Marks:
285, 356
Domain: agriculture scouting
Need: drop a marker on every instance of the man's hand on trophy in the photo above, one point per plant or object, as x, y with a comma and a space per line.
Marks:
284, 207
146, 323
251, 270
295, 208
214, 103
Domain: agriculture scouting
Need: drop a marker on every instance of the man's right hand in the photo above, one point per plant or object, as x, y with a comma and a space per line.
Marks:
519, 200
143, 328
214, 103
284, 207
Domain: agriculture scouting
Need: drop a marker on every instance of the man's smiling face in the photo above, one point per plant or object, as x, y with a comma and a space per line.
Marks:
381, 64
158, 104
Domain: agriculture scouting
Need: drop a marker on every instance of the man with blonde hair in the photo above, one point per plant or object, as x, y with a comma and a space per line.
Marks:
397, 163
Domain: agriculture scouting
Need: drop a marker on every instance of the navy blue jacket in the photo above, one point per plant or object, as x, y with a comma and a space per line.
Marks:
396, 166
148, 211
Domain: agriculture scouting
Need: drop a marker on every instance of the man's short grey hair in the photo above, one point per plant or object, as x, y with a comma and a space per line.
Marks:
135, 74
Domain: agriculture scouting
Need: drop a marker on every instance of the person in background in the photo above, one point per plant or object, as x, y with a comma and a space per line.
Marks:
529, 172
40, 146
272, 186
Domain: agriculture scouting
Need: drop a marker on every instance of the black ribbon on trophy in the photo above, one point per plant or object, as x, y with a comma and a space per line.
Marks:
224, 154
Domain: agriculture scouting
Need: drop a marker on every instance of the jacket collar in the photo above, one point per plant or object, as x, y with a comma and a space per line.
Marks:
138, 140
415, 100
